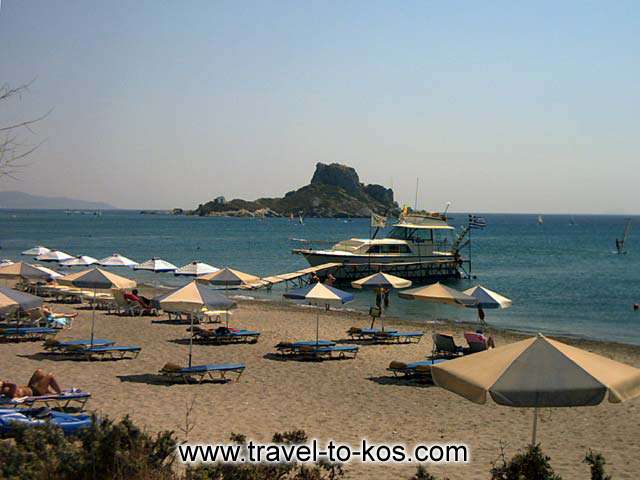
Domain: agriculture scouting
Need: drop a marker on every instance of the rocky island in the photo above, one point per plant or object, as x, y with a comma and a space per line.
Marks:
335, 191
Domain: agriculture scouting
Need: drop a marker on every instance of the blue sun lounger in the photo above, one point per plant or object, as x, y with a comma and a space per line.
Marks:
416, 370
110, 352
17, 334
226, 336
68, 398
33, 417
199, 373
397, 337
366, 333
63, 346
292, 348
337, 352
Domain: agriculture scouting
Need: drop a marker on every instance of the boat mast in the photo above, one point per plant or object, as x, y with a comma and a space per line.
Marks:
415, 204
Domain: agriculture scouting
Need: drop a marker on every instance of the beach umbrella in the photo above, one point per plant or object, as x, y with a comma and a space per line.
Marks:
439, 293
81, 261
49, 271
538, 372
319, 294
156, 265
12, 300
487, 298
380, 282
228, 277
54, 256
117, 260
22, 270
191, 299
98, 279
68, 278
195, 269
36, 251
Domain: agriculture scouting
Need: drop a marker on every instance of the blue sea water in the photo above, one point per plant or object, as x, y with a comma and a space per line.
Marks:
563, 278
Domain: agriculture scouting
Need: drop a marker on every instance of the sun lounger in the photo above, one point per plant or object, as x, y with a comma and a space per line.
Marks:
338, 352
67, 399
476, 341
64, 346
291, 348
397, 337
366, 333
70, 424
416, 370
199, 373
16, 334
444, 346
224, 335
109, 352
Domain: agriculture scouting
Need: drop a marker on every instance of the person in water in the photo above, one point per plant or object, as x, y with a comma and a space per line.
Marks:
40, 384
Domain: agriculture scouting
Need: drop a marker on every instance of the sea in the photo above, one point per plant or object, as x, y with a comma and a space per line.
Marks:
563, 276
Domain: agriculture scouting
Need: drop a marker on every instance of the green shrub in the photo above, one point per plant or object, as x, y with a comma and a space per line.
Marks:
596, 463
530, 465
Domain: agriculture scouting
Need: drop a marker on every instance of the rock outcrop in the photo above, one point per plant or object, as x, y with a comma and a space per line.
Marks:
335, 191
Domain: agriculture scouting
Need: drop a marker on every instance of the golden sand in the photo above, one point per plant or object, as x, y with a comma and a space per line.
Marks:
342, 400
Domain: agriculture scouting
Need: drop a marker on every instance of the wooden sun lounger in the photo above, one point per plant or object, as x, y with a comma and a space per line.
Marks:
17, 334
67, 399
199, 373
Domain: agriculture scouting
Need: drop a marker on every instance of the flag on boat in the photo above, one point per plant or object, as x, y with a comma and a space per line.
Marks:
378, 221
476, 221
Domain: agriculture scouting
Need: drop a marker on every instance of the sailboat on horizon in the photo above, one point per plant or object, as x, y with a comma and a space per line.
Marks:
620, 242
540, 220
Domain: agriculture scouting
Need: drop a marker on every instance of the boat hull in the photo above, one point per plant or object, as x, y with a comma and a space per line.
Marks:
417, 269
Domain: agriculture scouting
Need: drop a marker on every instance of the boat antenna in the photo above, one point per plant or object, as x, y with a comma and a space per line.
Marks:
446, 208
415, 205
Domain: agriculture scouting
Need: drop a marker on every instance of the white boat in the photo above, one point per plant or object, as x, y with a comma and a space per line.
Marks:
540, 220
418, 247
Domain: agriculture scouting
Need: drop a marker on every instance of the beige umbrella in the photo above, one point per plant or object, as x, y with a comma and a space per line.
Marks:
380, 282
116, 281
228, 277
190, 299
538, 372
439, 293
99, 279
24, 270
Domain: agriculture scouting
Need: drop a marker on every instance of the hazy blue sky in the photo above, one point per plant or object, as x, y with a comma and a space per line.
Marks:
496, 106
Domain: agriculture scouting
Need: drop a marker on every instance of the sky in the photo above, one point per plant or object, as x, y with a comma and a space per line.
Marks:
494, 106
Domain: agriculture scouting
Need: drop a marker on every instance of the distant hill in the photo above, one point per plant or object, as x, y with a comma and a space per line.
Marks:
14, 199
335, 191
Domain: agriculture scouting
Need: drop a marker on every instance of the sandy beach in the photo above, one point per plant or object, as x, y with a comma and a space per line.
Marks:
341, 400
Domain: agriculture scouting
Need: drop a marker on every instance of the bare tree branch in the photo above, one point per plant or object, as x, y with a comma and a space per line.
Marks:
13, 151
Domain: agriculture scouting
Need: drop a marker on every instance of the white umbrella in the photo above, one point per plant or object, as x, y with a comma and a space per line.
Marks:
37, 250
156, 265
488, 298
52, 273
81, 261
117, 260
195, 269
5, 261
55, 256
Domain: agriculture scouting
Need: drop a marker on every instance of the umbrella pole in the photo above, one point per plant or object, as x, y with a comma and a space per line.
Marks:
318, 327
93, 315
535, 427
191, 339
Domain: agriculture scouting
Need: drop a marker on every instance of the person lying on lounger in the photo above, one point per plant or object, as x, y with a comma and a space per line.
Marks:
57, 320
137, 298
41, 383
